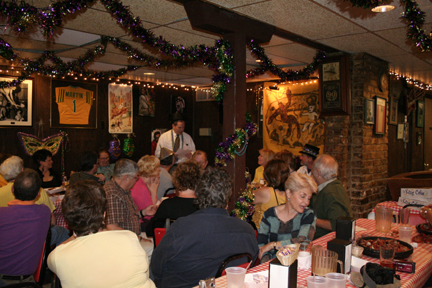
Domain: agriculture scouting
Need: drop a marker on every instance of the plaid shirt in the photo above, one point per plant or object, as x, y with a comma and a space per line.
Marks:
121, 208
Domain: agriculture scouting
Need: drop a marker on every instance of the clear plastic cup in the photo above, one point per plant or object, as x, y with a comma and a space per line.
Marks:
336, 280
316, 282
405, 233
235, 277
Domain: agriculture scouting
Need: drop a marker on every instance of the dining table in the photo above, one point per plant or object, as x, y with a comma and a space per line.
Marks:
422, 256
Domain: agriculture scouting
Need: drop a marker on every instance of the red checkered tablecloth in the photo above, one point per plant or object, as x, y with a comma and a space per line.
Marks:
58, 212
422, 256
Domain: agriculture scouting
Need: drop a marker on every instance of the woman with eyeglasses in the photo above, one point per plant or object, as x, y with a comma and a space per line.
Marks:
144, 192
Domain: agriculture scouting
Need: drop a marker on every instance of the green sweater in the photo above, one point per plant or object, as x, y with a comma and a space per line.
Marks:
330, 203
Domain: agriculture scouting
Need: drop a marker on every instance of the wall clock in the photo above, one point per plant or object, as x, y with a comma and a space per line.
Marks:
335, 86
331, 71
383, 82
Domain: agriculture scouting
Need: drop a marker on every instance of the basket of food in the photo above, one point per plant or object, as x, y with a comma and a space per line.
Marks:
288, 254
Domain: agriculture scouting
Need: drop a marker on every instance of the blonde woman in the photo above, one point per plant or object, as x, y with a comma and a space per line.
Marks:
291, 223
265, 156
144, 192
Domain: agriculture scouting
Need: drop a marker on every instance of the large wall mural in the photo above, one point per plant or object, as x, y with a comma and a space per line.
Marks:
291, 116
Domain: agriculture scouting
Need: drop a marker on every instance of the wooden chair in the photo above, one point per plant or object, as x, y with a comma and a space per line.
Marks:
247, 256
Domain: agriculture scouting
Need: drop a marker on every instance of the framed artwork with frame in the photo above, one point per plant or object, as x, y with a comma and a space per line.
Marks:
335, 86
393, 115
73, 104
380, 115
120, 109
420, 114
16, 103
369, 113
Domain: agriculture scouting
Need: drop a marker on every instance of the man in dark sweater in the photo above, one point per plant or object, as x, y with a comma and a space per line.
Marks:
331, 201
195, 245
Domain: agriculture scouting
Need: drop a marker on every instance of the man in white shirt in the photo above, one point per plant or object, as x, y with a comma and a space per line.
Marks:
176, 139
307, 158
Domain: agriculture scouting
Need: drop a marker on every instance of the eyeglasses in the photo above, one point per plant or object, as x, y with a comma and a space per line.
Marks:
135, 177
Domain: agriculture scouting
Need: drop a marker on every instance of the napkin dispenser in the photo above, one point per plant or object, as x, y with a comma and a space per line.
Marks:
281, 276
345, 228
344, 250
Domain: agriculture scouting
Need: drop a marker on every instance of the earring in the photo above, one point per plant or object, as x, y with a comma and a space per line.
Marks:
288, 199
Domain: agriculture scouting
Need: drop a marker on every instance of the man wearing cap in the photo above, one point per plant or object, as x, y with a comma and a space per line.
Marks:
331, 201
166, 162
308, 156
176, 139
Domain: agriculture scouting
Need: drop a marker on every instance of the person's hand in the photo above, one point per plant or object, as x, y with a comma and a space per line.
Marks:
150, 210
141, 239
101, 177
264, 249
153, 184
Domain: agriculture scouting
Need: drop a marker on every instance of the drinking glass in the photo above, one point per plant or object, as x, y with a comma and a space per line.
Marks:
387, 253
235, 277
383, 218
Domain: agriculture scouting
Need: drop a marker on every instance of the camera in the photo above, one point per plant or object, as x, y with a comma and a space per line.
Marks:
207, 283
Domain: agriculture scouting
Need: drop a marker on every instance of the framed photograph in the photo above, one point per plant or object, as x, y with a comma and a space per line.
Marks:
369, 112
16, 103
146, 105
380, 115
178, 105
420, 115
393, 115
73, 104
120, 112
400, 131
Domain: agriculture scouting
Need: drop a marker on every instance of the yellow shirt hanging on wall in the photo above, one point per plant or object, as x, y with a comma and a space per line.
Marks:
74, 105
291, 116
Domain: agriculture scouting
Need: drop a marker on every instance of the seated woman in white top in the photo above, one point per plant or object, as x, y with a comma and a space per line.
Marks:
94, 257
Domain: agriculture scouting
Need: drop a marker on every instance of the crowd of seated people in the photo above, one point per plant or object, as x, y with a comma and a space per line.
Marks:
201, 234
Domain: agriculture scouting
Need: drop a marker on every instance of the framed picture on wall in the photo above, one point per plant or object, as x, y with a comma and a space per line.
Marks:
393, 115
16, 103
369, 113
420, 113
73, 104
380, 115
400, 131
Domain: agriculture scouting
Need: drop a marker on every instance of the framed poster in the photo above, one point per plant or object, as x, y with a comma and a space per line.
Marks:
73, 104
380, 115
420, 115
393, 115
400, 131
369, 113
335, 86
16, 103
120, 113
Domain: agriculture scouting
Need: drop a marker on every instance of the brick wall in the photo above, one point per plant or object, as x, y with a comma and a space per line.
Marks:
362, 156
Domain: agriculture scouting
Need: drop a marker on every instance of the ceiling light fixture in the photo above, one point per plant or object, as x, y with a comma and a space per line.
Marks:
383, 8
149, 73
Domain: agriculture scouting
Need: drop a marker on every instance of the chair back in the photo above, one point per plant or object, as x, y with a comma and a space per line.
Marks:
158, 234
247, 257
39, 275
